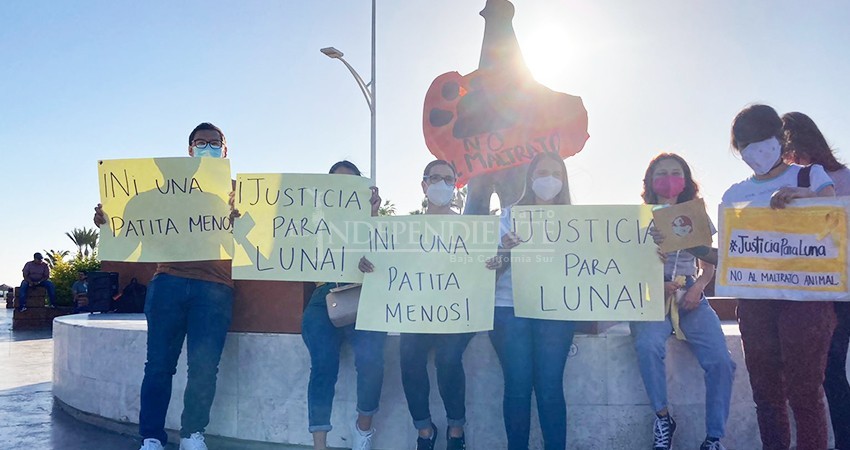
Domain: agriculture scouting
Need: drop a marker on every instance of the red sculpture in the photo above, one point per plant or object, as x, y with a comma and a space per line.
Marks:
498, 116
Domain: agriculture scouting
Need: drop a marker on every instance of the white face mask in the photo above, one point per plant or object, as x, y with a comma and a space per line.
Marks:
762, 156
440, 193
546, 188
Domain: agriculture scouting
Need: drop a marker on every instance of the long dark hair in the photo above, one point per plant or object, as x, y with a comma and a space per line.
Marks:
528, 197
803, 140
690, 192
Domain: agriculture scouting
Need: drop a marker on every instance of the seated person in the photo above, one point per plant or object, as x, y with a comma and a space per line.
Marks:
36, 273
80, 290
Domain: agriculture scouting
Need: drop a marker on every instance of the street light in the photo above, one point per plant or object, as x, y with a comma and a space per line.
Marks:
368, 89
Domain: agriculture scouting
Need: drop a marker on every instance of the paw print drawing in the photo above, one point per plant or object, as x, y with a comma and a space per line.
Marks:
487, 121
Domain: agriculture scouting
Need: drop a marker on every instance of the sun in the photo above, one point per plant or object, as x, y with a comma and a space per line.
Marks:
547, 52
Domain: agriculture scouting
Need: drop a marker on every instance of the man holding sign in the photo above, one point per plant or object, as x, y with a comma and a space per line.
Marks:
438, 299
191, 300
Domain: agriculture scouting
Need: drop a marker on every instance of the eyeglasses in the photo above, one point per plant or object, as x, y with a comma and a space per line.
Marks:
201, 144
433, 179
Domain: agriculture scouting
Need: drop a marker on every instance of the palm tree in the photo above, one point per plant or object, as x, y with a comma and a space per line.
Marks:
77, 236
54, 256
91, 240
85, 238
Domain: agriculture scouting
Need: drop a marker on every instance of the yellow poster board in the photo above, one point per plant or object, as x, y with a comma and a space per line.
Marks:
299, 227
796, 253
165, 209
430, 275
586, 263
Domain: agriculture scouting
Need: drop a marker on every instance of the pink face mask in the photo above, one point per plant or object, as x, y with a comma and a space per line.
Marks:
668, 186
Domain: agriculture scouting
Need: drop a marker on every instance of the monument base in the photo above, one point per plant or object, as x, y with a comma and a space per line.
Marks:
262, 389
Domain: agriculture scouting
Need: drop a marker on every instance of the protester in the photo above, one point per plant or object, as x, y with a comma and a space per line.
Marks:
438, 184
79, 290
324, 340
668, 181
785, 342
533, 352
36, 273
805, 144
191, 300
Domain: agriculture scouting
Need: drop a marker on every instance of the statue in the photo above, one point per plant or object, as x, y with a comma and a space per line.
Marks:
491, 122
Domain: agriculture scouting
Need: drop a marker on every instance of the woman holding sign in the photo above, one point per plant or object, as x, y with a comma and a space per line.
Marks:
324, 340
668, 181
532, 352
438, 183
805, 144
785, 342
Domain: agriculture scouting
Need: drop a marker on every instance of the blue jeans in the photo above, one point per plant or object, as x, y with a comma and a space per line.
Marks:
533, 354
22, 292
323, 341
451, 379
178, 308
706, 340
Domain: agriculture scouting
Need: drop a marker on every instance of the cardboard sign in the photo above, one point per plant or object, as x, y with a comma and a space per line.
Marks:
430, 275
586, 263
796, 253
486, 121
165, 209
297, 227
685, 225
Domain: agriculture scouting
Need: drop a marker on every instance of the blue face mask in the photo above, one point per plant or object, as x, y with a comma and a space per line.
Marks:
206, 151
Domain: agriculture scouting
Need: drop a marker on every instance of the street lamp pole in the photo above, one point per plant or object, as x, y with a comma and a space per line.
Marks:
368, 89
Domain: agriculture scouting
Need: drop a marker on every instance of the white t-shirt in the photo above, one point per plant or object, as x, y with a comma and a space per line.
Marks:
752, 189
841, 177
504, 286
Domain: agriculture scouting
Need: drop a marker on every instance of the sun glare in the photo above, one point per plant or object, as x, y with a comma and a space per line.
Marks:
547, 52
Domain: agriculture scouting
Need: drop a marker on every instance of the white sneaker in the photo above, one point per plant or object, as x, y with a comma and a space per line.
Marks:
361, 440
151, 444
194, 442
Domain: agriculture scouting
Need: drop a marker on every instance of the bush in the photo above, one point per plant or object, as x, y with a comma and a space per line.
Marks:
64, 274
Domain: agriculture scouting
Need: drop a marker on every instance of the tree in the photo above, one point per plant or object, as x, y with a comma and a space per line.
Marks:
388, 209
55, 257
84, 238
422, 207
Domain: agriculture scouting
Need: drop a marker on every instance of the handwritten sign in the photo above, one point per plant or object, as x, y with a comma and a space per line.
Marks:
297, 227
487, 121
165, 209
685, 225
430, 275
796, 253
586, 263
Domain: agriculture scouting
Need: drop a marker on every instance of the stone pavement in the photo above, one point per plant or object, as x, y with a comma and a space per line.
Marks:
31, 419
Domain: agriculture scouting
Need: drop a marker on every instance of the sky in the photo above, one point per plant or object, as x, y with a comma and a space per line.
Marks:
103, 79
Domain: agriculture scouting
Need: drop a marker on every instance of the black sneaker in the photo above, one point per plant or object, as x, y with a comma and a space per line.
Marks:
427, 443
455, 443
712, 444
663, 431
